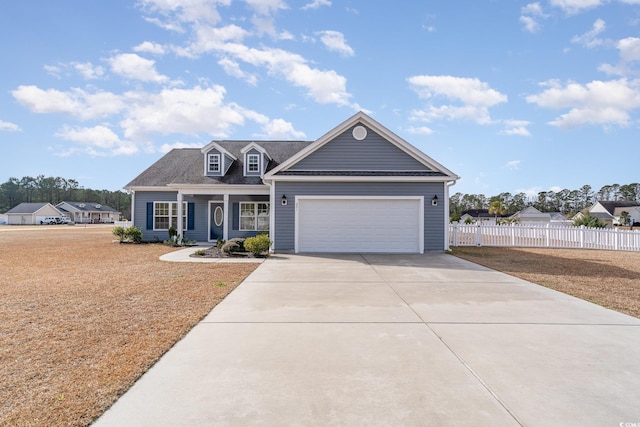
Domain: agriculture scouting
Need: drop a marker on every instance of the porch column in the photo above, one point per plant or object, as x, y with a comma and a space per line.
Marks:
227, 217
180, 213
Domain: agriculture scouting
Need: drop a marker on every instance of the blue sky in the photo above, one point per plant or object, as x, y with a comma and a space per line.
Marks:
512, 96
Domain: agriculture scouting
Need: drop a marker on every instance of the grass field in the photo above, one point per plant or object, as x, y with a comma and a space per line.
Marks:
82, 318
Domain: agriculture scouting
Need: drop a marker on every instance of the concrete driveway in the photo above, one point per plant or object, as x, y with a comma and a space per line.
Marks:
393, 340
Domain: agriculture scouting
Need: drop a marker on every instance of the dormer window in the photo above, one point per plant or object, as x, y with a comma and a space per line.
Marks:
253, 163
214, 163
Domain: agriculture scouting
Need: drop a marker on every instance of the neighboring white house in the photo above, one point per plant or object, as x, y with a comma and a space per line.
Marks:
31, 213
531, 215
633, 211
610, 210
479, 215
88, 213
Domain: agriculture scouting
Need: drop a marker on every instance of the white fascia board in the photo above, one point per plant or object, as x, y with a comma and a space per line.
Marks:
363, 118
359, 178
254, 146
149, 188
218, 147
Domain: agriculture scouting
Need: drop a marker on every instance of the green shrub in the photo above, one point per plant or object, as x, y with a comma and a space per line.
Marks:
173, 233
199, 252
234, 245
589, 221
219, 243
133, 234
119, 233
258, 245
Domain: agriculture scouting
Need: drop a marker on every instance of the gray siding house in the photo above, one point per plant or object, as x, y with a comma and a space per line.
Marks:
358, 188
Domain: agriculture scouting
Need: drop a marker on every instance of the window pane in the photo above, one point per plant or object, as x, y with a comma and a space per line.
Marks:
214, 163
247, 223
247, 209
263, 223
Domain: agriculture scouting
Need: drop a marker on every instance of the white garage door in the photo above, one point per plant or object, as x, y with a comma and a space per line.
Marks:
359, 225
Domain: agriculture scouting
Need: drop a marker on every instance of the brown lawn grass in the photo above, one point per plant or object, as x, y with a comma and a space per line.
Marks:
607, 278
81, 318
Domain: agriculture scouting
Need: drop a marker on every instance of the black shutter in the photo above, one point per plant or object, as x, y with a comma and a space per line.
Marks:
191, 215
150, 216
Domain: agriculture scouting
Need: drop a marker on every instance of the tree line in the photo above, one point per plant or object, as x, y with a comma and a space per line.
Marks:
55, 190
566, 201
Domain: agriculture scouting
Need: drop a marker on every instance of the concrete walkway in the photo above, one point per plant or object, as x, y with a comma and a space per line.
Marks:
393, 340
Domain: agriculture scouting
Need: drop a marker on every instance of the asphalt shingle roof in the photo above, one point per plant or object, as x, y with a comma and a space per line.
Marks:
610, 206
186, 165
26, 208
89, 207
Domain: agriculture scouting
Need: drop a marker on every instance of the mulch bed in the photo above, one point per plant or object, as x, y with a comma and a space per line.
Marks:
82, 318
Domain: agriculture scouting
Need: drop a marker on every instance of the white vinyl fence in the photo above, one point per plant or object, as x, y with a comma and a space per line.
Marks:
123, 224
544, 236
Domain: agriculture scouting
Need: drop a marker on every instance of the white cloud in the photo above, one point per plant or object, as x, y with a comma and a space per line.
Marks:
9, 127
271, 128
165, 148
516, 127
185, 111
530, 192
150, 47
420, 130
232, 68
281, 129
97, 141
176, 12
513, 164
266, 7
590, 39
134, 67
54, 70
530, 15
471, 98
89, 71
76, 102
602, 103
316, 4
324, 87
575, 6
629, 50
335, 42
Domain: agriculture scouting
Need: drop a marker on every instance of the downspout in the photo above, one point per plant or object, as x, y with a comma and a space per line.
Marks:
447, 214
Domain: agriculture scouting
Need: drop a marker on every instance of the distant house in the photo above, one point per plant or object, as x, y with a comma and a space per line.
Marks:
633, 212
88, 213
475, 215
531, 215
31, 213
610, 211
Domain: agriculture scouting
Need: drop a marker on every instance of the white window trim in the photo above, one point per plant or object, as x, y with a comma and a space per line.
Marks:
255, 217
219, 163
185, 216
257, 156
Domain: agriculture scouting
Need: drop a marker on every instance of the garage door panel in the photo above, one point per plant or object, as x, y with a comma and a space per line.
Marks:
358, 225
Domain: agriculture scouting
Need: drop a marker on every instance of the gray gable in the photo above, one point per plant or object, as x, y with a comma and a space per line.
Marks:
186, 165
346, 153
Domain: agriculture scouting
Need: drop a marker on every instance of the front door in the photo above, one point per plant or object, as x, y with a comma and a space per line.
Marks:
217, 221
